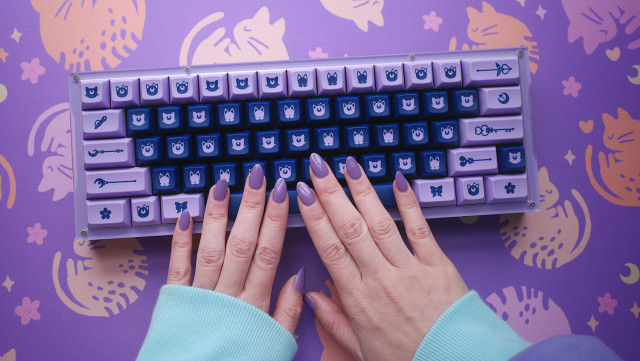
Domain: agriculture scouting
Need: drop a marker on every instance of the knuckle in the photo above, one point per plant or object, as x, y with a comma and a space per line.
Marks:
266, 257
383, 228
181, 244
275, 218
178, 275
335, 254
292, 312
215, 214
210, 257
240, 246
252, 203
333, 190
365, 192
419, 232
352, 230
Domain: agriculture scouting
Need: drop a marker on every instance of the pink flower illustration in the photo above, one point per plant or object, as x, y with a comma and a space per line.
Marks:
36, 234
432, 21
32, 70
28, 311
607, 304
571, 86
317, 54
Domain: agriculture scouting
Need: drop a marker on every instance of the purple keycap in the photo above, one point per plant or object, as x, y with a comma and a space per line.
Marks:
418, 75
154, 90
109, 213
302, 82
447, 74
118, 182
434, 192
145, 210
272, 84
184, 89
213, 87
506, 188
471, 161
477, 72
104, 124
491, 130
109, 153
469, 190
331, 81
95, 94
495, 101
243, 86
360, 79
173, 205
125, 92
389, 77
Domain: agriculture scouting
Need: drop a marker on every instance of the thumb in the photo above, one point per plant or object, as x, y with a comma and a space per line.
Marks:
289, 304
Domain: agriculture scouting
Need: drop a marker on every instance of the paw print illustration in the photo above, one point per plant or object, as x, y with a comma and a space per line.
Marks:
105, 213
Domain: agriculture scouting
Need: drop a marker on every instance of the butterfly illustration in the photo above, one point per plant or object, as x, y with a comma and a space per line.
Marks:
436, 191
182, 206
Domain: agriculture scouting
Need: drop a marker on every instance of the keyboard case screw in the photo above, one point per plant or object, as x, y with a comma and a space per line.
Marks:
187, 69
520, 52
532, 204
76, 77
412, 57
83, 233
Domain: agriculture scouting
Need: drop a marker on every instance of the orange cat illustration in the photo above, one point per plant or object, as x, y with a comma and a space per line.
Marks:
90, 35
490, 30
360, 11
333, 351
255, 40
549, 238
11, 199
620, 169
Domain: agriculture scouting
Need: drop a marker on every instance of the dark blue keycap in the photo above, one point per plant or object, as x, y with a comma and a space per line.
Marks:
166, 180
293, 202
200, 118
374, 165
385, 193
246, 169
432, 164
405, 163
149, 151
305, 170
208, 147
268, 143
286, 169
348, 109
229, 116
357, 138
196, 178
179, 148
377, 107
465, 102
259, 115
327, 140
406, 105
386, 136
140, 122
339, 166
318, 111
238, 145
444, 133
435, 103
235, 199
511, 159
415, 134
289, 113
171, 120
297, 141
228, 171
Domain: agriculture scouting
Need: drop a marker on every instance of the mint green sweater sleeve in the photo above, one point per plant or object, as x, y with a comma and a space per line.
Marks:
194, 324
470, 330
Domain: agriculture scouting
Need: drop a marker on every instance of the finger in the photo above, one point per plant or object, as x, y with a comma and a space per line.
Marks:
334, 321
180, 258
381, 226
243, 237
347, 222
422, 242
332, 252
265, 261
289, 304
214, 228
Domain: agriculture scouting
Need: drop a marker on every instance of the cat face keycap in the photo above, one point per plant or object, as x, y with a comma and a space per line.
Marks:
405, 163
154, 90
447, 74
184, 89
145, 211
302, 82
331, 81
213, 87
272, 84
243, 86
95, 94
511, 159
432, 164
469, 190
360, 79
418, 75
389, 77
125, 92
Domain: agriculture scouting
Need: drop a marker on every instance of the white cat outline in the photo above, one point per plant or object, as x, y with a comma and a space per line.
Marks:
298, 140
417, 134
327, 138
208, 146
177, 148
137, 119
379, 106
515, 158
194, 178
358, 137
466, 102
289, 111
446, 132
437, 103
169, 118
258, 113
237, 144
434, 163
164, 179
225, 174
319, 109
387, 135
408, 104
405, 164
375, 167
349, 108
229, 115
285, 172
268, 142
198, 117
147, 149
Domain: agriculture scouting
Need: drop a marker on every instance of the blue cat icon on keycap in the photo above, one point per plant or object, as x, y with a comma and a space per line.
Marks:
242, 84
91, 92
302, 80
362, 77
421, 73
211, 86
450, 71
122, 91
332, 79
143, 211
272, 82
182, 87
392, 75
152, 89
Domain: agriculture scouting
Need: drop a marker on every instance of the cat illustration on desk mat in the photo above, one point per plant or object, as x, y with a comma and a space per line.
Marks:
620, 169
255, 39
490, 30
359, 11
11, 181
551, 237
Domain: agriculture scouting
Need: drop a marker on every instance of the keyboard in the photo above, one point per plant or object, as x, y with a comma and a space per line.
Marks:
148, 144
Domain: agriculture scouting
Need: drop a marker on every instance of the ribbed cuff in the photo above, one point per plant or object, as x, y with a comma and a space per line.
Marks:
469, 330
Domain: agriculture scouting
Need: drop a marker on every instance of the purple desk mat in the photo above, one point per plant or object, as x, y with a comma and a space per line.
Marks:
570, 268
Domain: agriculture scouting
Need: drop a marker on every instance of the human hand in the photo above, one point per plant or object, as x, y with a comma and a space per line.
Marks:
245, 267
391, 298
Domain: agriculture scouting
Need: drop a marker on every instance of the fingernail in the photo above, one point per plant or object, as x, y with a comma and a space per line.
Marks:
305, 194
279, 191
401, 182
185, 217
299, 285
309, 302
220, 190
256, 176
353, 168
318, 166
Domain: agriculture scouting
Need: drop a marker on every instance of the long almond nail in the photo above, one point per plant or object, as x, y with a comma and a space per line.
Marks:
353, 168
256, 176
299, 284
220, 190
184, 221
309, 302
318, 166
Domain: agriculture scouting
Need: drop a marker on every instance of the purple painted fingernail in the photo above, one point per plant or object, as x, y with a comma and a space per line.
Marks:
305, 194
299, 284
279, 191
318, 166
401, 182
185, 217
309, 302
256, 176
220, 190
353, 168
